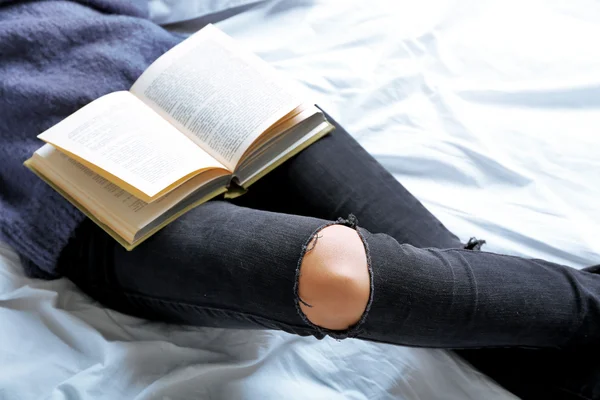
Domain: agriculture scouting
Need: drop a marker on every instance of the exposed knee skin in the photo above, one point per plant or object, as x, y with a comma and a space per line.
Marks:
334, 278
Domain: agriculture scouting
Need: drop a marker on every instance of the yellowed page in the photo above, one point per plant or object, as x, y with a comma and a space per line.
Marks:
217, 93
123, 212
292, 150
263, 143
130, 145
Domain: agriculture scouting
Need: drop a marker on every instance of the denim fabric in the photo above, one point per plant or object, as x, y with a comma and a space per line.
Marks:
235, 264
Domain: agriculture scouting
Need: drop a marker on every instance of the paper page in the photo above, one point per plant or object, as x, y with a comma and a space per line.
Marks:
220, 95
130, 144
108, 202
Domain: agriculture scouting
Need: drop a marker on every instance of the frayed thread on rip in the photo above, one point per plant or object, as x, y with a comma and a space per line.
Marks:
474, 244
356, 329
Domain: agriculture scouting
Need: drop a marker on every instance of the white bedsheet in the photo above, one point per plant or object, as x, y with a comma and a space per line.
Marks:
486, 110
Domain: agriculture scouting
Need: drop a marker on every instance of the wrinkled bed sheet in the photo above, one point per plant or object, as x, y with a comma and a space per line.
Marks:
488, 111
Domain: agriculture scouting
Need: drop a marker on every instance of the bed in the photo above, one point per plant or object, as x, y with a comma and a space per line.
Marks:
487, 111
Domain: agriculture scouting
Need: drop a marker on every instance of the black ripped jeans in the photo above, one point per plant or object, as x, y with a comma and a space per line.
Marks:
235, 264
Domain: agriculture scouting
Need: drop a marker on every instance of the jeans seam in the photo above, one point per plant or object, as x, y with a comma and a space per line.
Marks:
356, 329
196, 307
573, 334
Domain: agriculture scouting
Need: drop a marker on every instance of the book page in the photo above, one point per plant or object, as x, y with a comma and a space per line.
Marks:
126, 213
124, 141
218, 94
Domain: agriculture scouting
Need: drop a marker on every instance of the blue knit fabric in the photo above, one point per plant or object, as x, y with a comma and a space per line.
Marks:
55, 57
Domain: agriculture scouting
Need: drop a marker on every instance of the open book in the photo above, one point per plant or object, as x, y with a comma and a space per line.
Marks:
205, 118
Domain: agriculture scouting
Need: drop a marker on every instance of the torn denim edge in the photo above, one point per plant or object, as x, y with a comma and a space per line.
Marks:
356, 329
474, 244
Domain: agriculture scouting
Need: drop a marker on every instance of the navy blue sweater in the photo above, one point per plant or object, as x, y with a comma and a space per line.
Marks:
55, 57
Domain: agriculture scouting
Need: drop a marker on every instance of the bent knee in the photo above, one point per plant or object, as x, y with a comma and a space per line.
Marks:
334, 283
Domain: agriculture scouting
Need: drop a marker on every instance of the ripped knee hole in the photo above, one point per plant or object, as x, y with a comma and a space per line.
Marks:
334, 283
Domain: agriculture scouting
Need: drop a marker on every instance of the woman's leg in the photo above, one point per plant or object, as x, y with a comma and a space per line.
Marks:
239, 261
